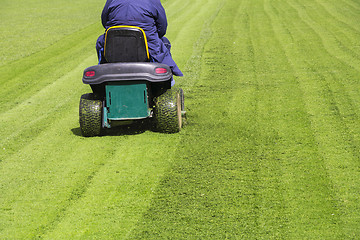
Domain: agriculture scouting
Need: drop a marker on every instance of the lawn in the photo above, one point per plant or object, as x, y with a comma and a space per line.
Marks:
271, 149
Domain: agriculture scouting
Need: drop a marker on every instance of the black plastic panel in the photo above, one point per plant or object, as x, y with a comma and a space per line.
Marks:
112, 72
125, 45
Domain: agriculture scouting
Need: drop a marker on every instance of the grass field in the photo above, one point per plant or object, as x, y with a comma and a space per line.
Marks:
271, 149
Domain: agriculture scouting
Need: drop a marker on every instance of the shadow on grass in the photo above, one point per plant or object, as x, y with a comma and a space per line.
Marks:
135, 128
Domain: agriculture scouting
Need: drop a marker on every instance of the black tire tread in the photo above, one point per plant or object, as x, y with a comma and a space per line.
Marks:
90, 115
166, 112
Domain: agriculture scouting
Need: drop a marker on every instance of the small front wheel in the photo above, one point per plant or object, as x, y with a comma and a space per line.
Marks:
90, 115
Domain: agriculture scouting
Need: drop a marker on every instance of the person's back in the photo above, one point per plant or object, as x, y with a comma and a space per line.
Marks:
146, 14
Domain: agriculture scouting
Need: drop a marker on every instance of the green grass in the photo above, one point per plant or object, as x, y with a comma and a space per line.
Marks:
30, 26
270, 149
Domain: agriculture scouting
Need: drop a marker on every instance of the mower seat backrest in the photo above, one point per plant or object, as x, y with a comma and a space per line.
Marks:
126, 44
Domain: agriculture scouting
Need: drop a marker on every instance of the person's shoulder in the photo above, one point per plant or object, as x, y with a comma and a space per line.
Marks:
155, 2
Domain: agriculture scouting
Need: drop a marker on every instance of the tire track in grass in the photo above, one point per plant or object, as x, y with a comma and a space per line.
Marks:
239, 108
332, 137
23, 120
39, 181
29, 137
193, 65
117, 194
180, 13
339, 150
336, 144
75, 195
342, 35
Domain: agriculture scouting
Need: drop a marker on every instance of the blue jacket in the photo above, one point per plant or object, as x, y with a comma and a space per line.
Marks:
148, 15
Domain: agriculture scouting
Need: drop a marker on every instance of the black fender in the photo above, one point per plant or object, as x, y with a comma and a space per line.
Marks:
114, 72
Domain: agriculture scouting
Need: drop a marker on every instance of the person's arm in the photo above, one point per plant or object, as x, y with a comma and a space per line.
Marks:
105, 13
160, 19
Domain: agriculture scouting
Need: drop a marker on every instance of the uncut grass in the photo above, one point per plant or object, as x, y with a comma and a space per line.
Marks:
272, 149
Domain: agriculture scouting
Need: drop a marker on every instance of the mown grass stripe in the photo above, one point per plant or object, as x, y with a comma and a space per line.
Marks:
277, 90
326, 39
193, 65
332, 135
214, 192
21, 124
31, 29
271, 149
342, 35
313, 102
299, 175
342, 22
67, 211
353, 5
120, 191
176, 10
190, 31
41, 180
269, 93
55, 179
34, 73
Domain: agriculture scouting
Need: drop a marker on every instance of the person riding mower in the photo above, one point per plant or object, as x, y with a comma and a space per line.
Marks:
129, 87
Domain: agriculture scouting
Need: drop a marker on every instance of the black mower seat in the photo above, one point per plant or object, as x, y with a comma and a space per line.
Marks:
126, 44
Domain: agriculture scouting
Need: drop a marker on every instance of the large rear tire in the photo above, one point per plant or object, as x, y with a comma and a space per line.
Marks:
167, 112
90, 115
